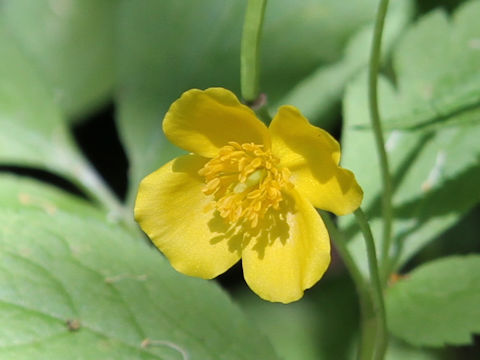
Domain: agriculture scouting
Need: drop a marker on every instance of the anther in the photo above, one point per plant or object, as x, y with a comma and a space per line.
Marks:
244, 182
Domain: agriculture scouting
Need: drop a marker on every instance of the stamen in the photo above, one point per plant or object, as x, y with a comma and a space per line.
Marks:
245, 182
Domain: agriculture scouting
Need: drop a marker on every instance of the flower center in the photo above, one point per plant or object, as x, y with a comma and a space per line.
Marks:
245, 182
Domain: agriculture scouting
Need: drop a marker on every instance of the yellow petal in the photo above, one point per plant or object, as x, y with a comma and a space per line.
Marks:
172, 210
290, 254
203, 121
312, 155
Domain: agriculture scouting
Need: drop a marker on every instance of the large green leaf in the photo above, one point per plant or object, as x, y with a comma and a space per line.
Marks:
31, 128
318, 94
437, 304
434, 173
71, 44
33, 132
18, 192
300, 36
438, 61
81, 288
434, 170
399, 350
168, 47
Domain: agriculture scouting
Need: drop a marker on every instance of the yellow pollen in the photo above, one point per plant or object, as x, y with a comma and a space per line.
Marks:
245, 182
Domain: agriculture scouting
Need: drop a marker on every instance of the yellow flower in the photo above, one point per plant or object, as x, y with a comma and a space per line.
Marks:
246, 192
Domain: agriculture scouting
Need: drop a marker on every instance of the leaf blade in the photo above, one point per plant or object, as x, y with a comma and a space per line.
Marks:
433, 169
437, 303
70, 43
127, 300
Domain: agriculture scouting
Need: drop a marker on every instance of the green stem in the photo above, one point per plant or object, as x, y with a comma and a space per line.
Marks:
379, 140
369, 322
250, 55
376, 317
341, 246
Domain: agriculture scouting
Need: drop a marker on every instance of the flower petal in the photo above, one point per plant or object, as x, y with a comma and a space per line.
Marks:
312, 155
203, 121
290, 255
171, 209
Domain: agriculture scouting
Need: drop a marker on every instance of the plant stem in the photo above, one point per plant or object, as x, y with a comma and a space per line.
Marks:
250, 53
369, 322
379, 140
341, 246
376, 317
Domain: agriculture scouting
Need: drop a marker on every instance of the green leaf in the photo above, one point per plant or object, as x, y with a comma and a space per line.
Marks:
318, 94
32, 130
80, 288
438, 62
19, 192
71, 45
399, 350
301, 36
437, 303
434, 174
434, 170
